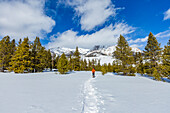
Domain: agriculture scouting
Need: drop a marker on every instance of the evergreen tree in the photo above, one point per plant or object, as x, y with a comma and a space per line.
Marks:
140, 65
76, 60
137, 57
94, 61
34, 52
1, 57
5, 53
166, 60
49, 59
13, 47
124, 54
70, 66
21, 61
38, 56
89, 65
42, 59
82, 68
147, 68
19, 43
85, 65
156, 74
104, 69
132, 71
63, 64
114, 66
152, 54
12, 51
98, 67
110, 68
56, 62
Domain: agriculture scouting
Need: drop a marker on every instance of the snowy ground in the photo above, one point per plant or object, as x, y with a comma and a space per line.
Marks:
79, 93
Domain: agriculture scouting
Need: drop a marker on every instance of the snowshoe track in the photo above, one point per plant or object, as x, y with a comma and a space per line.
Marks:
91, 98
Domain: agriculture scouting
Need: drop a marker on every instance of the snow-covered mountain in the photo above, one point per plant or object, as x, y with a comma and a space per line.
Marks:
108, 51
135, 49
59, 51
104, 54
101, 51
95, 52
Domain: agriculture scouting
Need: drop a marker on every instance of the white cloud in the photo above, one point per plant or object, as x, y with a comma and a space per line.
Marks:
22, 18
167, 14
106, 36
138, 40
164, 34
93, 13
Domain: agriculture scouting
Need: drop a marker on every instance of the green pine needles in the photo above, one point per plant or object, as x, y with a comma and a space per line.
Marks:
152, 55
125, 56
21, 61
166, 60
63, 64
76, 60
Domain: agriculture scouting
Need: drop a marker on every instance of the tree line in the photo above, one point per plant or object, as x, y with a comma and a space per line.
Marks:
24, 56
154, 60
32, 57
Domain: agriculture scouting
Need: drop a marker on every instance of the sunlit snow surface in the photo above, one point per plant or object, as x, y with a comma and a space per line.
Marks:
79, 93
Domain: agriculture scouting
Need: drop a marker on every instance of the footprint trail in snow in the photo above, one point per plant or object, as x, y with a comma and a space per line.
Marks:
92, 101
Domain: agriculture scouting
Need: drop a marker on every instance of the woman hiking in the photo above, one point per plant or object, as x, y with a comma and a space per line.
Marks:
93, 72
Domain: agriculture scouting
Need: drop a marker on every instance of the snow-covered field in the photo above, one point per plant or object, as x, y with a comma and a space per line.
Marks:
79, 93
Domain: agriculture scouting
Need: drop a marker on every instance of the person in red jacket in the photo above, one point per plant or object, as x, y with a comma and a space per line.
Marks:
93, 72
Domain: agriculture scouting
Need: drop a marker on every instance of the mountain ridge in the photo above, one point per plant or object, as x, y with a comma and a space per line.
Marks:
96, 51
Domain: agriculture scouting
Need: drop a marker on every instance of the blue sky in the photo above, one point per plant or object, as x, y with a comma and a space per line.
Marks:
85, 23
